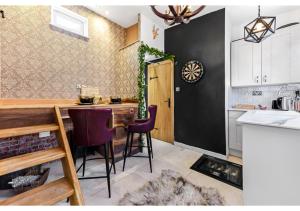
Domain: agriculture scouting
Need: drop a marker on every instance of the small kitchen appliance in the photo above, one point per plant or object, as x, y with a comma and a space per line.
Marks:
283, 103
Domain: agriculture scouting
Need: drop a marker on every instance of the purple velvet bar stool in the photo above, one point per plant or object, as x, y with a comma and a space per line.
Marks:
141, 126
91, 130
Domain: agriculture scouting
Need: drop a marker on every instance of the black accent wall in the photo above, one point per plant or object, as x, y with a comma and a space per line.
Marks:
200, 107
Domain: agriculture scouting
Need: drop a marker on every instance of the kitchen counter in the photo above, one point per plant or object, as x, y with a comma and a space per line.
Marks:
272, 118
22, 113
271, 157
239, 109
68, 105
244, 109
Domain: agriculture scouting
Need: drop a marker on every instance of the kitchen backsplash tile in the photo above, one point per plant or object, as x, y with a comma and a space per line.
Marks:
243, 95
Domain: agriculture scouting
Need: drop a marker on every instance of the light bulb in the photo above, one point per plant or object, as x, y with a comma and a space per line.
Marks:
259, 27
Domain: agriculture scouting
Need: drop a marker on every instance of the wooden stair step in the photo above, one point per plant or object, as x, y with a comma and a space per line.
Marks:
20, 162
19, 131
47, 194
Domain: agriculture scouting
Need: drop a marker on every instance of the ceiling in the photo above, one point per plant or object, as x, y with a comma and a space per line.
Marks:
244, 14
128, 15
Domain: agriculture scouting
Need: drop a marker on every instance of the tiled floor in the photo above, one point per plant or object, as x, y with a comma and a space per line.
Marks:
137, 173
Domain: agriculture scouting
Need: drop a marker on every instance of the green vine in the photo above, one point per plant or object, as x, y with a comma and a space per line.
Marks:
142, 51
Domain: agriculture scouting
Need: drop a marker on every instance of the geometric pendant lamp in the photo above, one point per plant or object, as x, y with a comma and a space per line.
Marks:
260, 28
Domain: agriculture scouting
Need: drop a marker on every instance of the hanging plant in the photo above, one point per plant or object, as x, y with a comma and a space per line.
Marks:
142, 51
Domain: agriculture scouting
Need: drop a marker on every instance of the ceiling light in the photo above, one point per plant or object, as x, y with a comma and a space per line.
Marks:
177, 14
260, 28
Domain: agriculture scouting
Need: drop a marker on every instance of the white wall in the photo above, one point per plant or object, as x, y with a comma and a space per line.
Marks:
281, 19
146, 27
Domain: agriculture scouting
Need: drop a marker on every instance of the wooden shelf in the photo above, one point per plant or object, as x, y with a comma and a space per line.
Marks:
19, 131
20, 162
48, 194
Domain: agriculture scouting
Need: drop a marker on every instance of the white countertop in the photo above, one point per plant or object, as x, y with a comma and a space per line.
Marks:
273, 118
240, 109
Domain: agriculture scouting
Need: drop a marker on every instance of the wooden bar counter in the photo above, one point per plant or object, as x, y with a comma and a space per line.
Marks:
17, 113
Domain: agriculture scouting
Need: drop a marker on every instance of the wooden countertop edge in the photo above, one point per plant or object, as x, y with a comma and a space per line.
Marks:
122, 105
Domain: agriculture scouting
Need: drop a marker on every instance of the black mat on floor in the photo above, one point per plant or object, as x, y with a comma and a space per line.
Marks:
222, 170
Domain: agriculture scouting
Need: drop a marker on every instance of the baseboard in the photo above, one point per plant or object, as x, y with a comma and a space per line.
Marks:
196, 149
236, 153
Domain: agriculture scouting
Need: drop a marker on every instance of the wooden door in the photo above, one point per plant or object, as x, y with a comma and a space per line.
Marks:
160, 93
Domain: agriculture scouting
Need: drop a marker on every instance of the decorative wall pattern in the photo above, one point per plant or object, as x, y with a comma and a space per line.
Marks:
39, 62
128, 71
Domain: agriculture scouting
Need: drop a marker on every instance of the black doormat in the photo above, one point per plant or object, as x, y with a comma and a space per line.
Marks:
222, 170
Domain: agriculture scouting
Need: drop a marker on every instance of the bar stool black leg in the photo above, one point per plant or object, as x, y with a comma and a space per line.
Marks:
149, 152
74, 153
72, 145
125, 151
151, 144
107, 168
84, 160
112, 156
131, 143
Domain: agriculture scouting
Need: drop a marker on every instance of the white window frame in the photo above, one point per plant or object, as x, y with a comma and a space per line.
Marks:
56, 10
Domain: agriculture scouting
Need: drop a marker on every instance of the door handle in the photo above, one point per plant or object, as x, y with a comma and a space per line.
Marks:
2, 14
169, 102
151, 78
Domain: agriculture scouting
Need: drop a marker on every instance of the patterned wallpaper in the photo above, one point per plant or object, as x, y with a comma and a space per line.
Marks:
39, 62
128, 72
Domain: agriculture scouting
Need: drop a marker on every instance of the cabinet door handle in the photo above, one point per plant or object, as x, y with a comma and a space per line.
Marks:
257, 79
265, 78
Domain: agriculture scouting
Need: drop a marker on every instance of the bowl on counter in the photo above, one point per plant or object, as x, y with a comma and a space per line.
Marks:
86, 100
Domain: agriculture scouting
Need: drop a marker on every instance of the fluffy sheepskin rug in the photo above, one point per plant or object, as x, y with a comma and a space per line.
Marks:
172, 189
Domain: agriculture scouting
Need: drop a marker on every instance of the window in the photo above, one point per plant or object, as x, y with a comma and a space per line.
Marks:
69, 21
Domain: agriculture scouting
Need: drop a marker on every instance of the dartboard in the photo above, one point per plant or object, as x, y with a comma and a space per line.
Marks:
192, 71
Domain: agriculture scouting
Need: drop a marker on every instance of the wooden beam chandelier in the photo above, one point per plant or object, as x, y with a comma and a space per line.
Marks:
177, 14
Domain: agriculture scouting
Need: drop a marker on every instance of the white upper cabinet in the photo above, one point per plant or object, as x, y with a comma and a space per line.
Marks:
295, 54
276, 58
245, 63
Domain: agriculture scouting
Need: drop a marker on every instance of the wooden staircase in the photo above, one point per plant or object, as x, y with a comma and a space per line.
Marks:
55, 191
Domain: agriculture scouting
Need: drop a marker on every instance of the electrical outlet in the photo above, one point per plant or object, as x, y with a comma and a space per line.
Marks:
44, 134
256, 93
78, 86
177, 89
